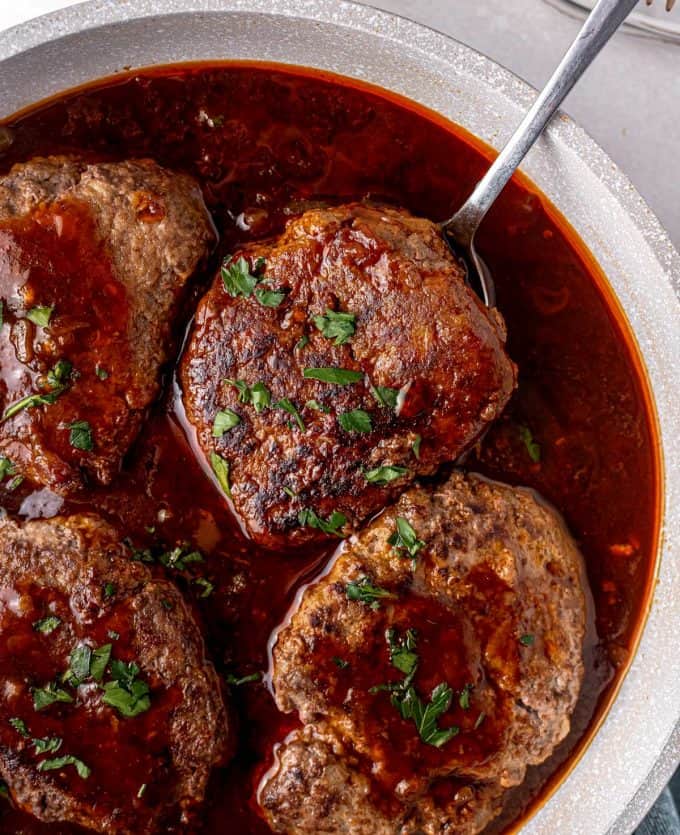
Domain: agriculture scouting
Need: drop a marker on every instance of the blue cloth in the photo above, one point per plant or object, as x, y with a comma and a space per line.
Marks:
662, 818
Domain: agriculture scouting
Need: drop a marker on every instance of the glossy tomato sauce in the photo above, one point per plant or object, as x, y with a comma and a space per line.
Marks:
265, 142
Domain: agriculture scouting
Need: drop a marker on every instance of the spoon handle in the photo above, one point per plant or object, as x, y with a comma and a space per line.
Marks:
601, 24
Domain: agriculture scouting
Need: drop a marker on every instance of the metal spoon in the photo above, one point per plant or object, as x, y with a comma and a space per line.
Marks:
460, 229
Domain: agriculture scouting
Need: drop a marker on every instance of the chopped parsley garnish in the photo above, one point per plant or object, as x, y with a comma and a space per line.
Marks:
403, 653
87, 663
30, 402
337, 376
80, 664
59, 375
237, 278
415, 446
308, 518
290, 492
533, 448
405, 538
99, 662
340, 663
45, 696
179, 557
406, 700
527, 640
141, 791
336, 325
80, 435
235, 681
20, 727
285, 404
302, 342
224, 421
239, 281
207, 587
46, 745
426, 716
40, 315
61, 762
57, 380
102, 373
259, 395
221, 469
464, 697
363, 591
480, 719
128, 694
385, 396
111, 633
355, 421
269, 298
47, 625
384, 474
109, 591
317, 407
7, 468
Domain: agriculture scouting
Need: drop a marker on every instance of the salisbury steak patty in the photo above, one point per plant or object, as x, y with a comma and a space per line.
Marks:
93, 259
331, 366
110, 716
438, 659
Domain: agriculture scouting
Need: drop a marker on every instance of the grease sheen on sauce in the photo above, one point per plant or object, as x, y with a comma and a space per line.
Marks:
263, 141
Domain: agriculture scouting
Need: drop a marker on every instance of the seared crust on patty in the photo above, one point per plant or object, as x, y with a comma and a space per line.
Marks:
494, 599
418, 330
109, 247
76, 570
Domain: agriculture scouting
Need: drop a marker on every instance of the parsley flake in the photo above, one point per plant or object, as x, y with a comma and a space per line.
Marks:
45, 696
47, 625
285, 404
269, 298
533, 448
235, 681
363, 591
527, 640
386, 397
207, 587
221, 469
40, 315
309, 518
224, 421
405, 538
385, 474
62, 762
80, 435
337, 376
355, 421
338, 326
237, 278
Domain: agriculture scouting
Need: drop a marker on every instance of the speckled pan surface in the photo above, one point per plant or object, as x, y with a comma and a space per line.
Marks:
638, 746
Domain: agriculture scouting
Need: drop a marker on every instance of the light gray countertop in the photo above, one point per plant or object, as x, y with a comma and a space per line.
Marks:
629, 101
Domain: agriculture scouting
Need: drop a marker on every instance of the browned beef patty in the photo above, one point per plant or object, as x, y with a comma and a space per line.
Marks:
110, 715
93, 260
439, 657
371, 291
